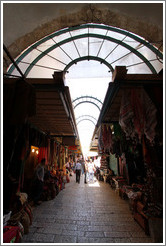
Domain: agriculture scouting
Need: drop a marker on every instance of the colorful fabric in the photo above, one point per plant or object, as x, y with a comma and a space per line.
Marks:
11, 234
137, 114
126, 114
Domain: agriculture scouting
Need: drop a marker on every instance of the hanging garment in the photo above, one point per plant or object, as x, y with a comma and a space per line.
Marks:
150, 118
137, 114
100, 139
42, 154
11, 234
145, 119
110, 141
137, 100
126, 114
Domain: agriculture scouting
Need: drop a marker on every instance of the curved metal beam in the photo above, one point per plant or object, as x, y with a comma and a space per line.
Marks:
88, 58
94, 36
95, 98
157, 52
87, 102
98, 26
86, 119
86, 115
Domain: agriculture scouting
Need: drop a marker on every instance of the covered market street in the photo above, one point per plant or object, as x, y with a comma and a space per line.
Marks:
85, 213
82, 94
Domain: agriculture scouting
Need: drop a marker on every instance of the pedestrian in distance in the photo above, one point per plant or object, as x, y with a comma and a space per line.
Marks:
38, 182
91, 170
86, 172
78, 169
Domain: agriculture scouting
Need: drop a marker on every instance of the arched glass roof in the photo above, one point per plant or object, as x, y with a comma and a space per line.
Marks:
108, 45
89, 54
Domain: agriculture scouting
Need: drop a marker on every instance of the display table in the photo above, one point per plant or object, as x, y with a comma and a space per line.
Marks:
141, 217
119, 181
156, 229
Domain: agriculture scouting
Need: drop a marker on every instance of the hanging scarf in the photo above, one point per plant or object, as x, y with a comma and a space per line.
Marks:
137, 114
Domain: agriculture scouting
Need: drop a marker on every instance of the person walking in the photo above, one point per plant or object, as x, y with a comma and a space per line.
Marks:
38, 182
85, 172
78, 171
91, 170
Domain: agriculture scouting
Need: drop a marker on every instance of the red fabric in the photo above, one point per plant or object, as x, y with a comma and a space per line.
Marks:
105, 135
137, 114
138, 110
11, 234
43, 153
109, 138
48, 152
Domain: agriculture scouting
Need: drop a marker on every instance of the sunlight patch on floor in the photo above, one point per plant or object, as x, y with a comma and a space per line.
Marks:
95, 184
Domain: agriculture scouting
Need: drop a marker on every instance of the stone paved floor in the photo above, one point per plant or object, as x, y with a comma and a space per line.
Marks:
85, 213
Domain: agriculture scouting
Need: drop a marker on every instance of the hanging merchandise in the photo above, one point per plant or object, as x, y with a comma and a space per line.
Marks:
54, 157
137, 97
124, 167
66, 152
126, 114
51, 152
119, 137
43, 153
103, 161
150, 118
48, 159
100, 140
117, 130
137, 114
110, 138
107, 138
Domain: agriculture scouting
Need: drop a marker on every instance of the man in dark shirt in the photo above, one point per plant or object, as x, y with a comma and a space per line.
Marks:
78, 169
38, 183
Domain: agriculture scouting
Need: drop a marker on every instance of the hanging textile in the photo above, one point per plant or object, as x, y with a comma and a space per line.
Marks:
48, 160
100, 139
137, 114
110, 140
126, 114
124, 167
137, 100
119, 139
54, 158
150, 118
52, 150
43, 153
107, 138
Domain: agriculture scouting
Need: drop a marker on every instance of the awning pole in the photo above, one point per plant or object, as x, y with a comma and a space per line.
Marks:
13, 61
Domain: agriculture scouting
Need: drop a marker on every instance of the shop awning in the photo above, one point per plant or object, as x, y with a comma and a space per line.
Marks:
54, 111
121, 82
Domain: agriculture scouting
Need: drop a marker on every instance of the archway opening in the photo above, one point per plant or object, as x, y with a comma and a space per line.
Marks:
88, 82
88, 53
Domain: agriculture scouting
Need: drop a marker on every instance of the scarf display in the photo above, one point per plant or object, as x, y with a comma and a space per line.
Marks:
138, 114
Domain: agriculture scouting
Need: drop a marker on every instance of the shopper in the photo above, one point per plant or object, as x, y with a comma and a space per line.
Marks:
78, 171
86, 172
91, 170
38, 182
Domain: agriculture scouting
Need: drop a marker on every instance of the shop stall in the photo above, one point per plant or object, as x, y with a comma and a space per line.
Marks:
130, 135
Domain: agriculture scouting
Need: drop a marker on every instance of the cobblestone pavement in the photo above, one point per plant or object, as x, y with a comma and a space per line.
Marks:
85, 213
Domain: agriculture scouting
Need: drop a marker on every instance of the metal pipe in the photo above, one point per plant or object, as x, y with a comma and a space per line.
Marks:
13, 61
